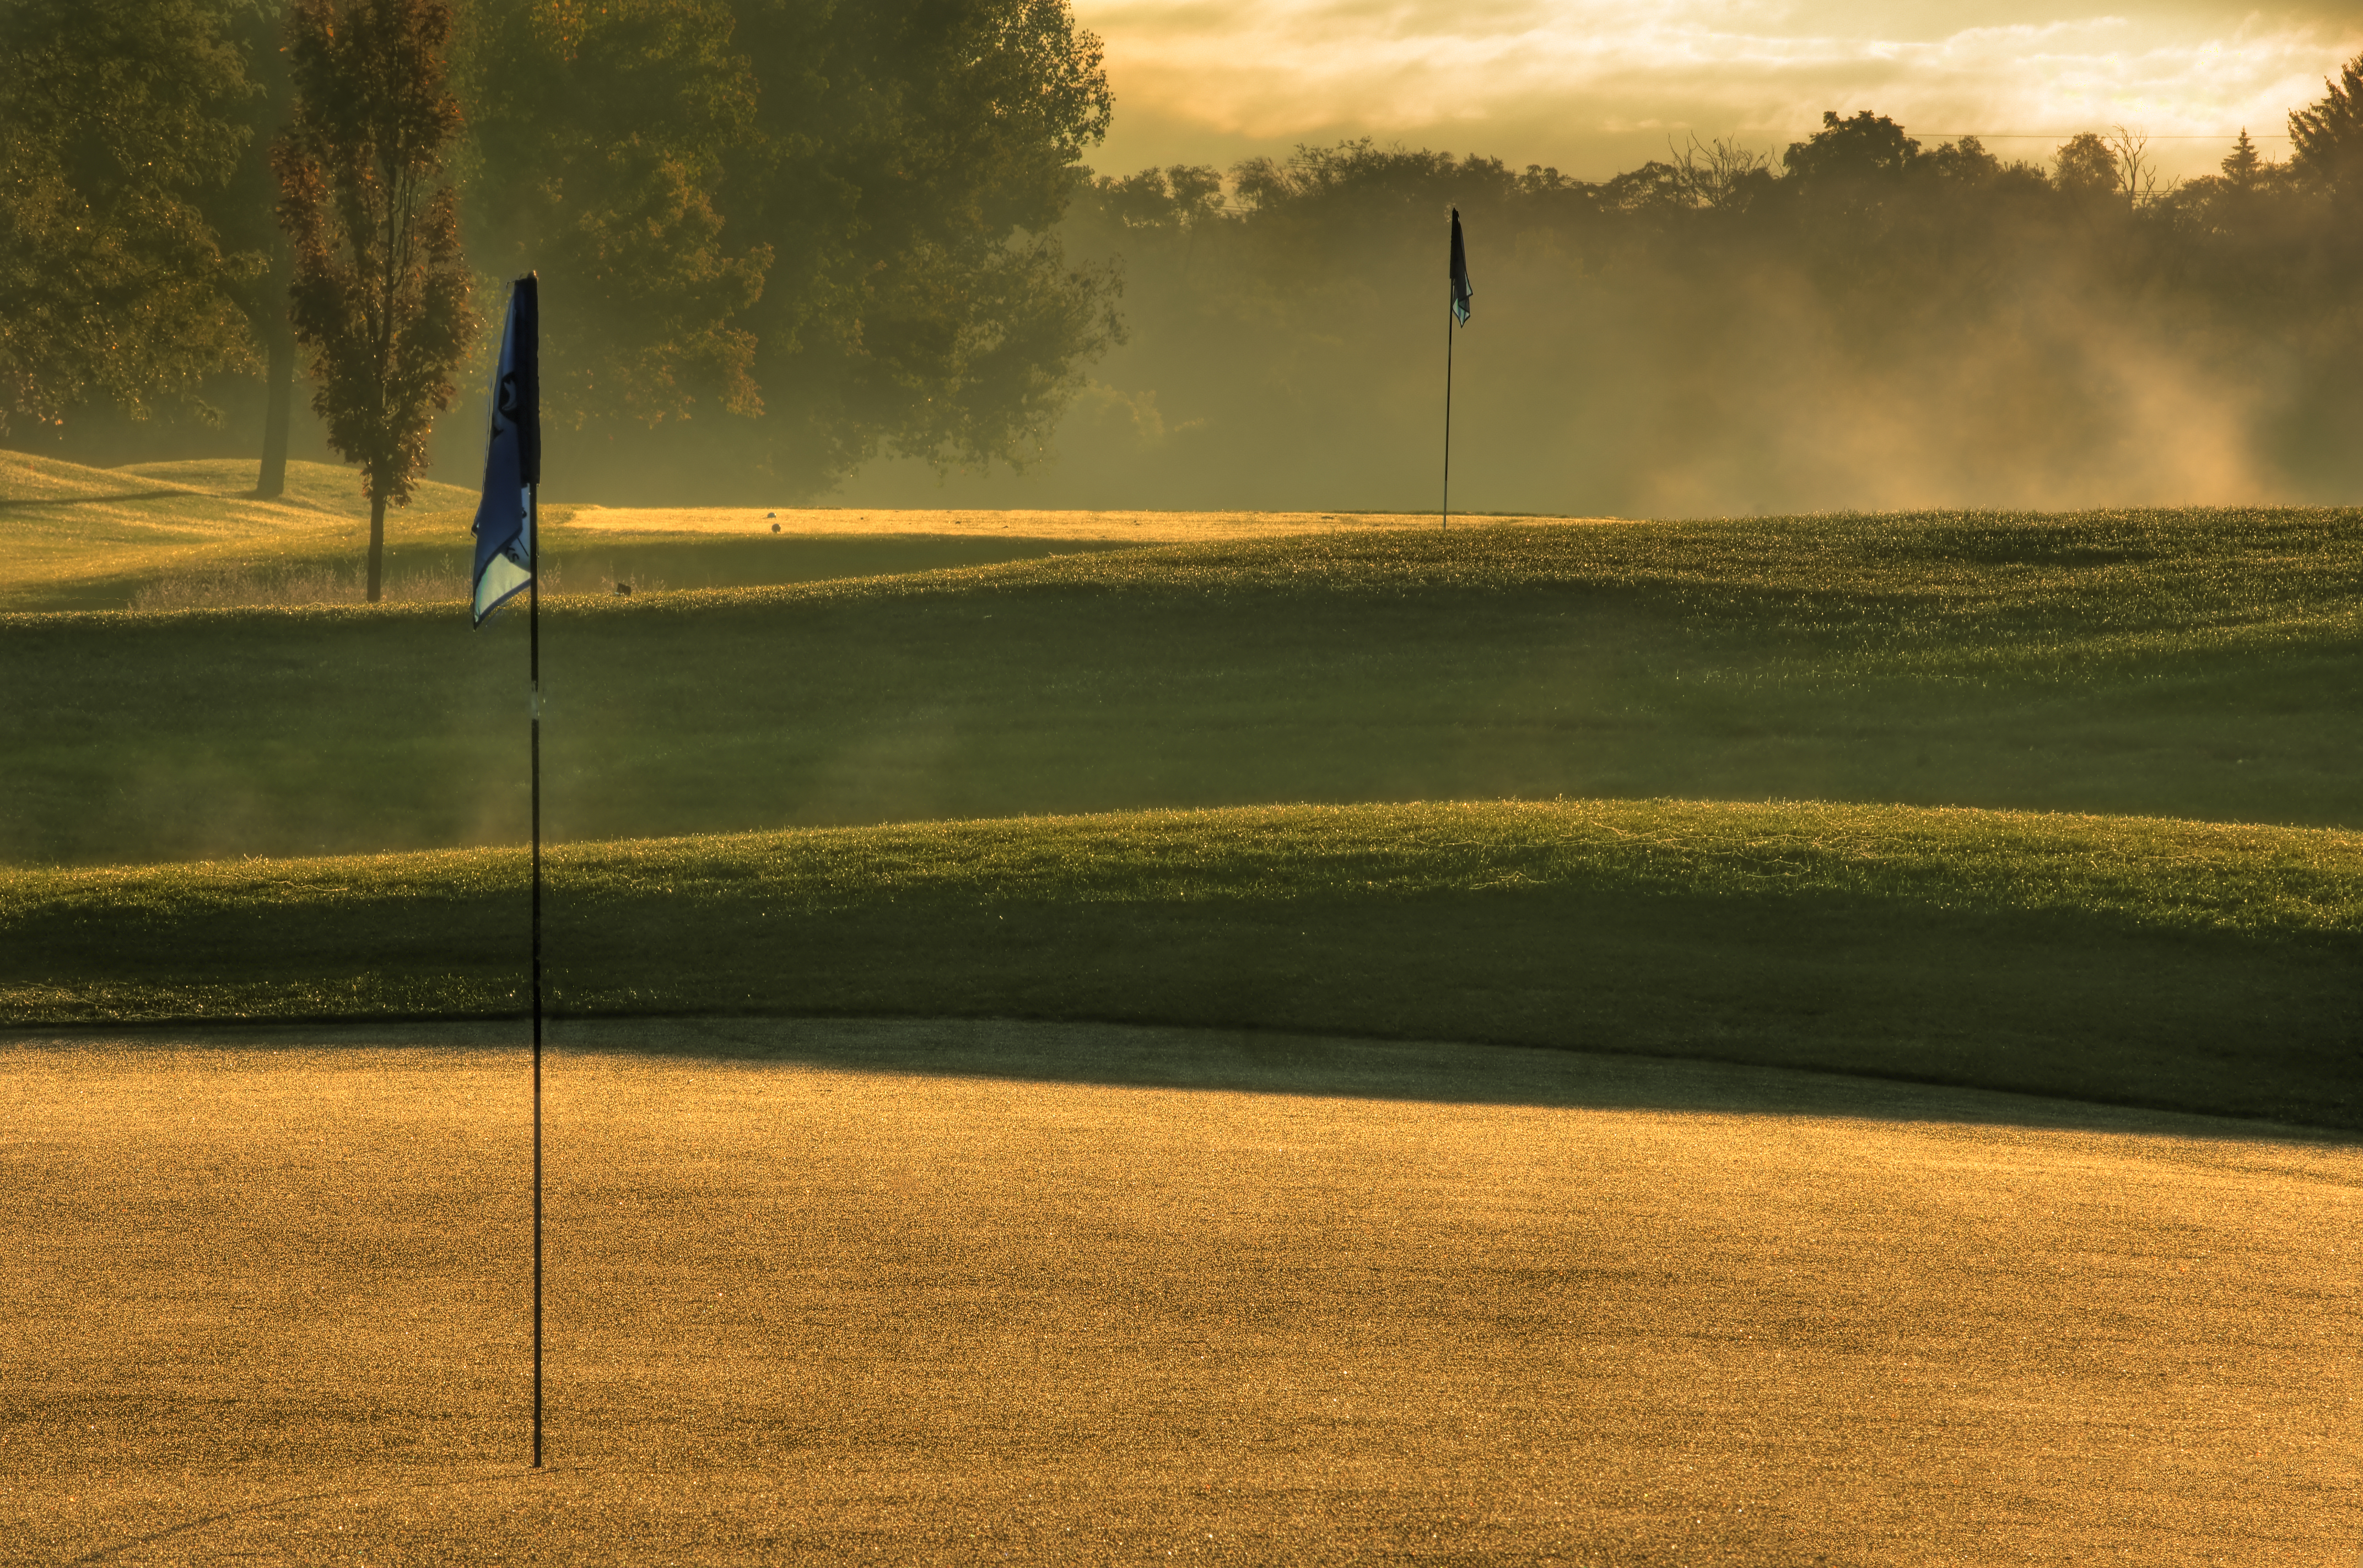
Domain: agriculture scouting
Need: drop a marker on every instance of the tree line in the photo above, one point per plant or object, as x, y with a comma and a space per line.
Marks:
1861, 319
777, 237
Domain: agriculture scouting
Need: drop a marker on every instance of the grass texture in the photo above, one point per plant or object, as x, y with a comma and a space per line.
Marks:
2171, 964
2199, 665
270, 1305
190, 534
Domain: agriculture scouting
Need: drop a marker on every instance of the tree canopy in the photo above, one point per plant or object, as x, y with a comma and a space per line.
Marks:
117, 117
381, 292
779, 239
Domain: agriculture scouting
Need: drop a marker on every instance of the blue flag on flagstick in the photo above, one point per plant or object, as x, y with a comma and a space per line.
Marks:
1462, 291
503, 528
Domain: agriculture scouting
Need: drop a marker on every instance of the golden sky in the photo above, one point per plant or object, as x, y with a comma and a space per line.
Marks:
1593, 86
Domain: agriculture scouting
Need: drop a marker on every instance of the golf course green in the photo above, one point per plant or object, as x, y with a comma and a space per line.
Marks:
1207, 1037
2066, 804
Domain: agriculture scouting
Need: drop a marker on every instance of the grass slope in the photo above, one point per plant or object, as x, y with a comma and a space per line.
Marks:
2202, 665
2132, 960
74, 537
326, 487
267, 1305
78, 538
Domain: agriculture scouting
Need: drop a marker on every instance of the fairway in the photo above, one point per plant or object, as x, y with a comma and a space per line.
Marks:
928, 1293
2189, 664
2181, 966
997, 965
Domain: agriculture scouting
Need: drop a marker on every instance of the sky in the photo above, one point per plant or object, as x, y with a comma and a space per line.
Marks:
1591, 87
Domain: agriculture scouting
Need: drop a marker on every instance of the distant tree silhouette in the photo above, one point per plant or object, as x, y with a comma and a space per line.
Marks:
2328, 140
2137, 172
2242, 167
1867, 150
2085, 166
381, 292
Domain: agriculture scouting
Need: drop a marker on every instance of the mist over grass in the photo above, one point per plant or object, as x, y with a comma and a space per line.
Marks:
1884, 324
2192, 665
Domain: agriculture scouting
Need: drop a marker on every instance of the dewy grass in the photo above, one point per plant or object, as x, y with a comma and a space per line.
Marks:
2189, 966
1918, 593
2197, 664
268, 1305
2146, 874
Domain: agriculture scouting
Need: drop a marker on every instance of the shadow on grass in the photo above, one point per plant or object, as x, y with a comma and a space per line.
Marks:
1213, 1060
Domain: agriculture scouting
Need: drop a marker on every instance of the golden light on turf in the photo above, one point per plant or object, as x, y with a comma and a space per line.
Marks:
1496, 1303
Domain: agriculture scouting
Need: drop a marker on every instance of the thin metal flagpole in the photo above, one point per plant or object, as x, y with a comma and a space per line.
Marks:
1448, 419
533, 642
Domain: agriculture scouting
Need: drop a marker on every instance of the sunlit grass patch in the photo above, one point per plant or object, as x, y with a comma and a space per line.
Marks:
2150, 874
1881, 594
269, 1302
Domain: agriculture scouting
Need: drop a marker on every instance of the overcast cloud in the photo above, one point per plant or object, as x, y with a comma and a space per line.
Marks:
1593, 87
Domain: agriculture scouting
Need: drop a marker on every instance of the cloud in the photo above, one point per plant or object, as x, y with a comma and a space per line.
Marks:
1595, 86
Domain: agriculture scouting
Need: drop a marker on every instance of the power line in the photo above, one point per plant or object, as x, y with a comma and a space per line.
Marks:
2164, 136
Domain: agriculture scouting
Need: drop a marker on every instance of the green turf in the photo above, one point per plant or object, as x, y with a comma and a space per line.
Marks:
329, 487
2153, 963
74, 539
2197, 664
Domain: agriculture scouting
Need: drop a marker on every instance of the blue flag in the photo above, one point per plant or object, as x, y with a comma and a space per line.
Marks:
1462, 292
505, 541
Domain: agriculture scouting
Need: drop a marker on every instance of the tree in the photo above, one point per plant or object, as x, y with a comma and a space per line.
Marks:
598, 159
2327, 139
911, 163
1854, 156
116, 117
381, 294
2243, 167
2086, 166
1175, 199
245, 213
1723, 176
2137, 172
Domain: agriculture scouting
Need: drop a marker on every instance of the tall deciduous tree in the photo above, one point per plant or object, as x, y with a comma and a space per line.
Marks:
801, 232
910, 164
116, 117
381, 292
244, 212
600, 135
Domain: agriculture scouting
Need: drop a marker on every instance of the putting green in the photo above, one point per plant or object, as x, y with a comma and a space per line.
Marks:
928, 1293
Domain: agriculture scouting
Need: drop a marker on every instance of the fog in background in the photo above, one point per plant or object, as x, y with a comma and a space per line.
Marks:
1883, 328
1864, 318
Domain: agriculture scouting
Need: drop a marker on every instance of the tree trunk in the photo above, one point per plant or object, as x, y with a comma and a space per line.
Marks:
272, 483
377, 547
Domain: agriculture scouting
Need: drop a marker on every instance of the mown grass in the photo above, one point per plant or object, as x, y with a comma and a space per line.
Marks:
82, 538
270, 1305
266, 1302
2199, 665
190, 535
2141, 962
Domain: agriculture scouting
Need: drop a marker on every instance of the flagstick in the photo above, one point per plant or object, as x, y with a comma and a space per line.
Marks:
1447, 420
533, 641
